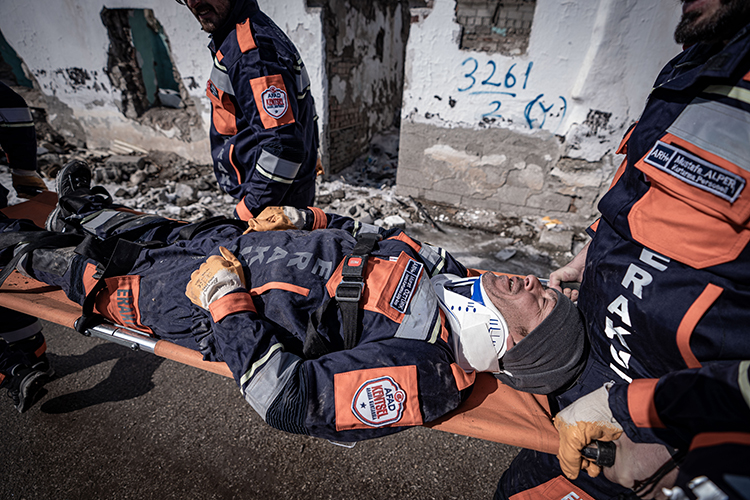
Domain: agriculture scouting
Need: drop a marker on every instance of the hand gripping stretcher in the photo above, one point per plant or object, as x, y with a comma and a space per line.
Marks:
493, 412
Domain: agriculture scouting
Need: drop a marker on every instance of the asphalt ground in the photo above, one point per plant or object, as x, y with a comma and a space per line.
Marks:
119, 424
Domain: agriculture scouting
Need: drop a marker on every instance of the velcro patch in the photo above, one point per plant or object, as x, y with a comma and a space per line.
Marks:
377, 397
696, 171
272, 101
406, 286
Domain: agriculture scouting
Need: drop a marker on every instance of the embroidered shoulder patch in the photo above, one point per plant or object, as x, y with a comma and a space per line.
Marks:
272, 101
696, 171
377, 397
406, 286
379, 402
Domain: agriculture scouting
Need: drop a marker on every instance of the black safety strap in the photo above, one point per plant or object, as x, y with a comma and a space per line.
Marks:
347, 296
349, 291
120, 262
34, 240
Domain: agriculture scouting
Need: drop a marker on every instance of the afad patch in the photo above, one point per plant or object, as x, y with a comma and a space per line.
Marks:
272, 101
377, 397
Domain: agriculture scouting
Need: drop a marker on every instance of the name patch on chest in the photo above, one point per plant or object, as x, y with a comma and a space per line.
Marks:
406, 286
696, 171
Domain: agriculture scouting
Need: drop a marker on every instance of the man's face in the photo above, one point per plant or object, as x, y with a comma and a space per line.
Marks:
711, 20
524, 302
210, 13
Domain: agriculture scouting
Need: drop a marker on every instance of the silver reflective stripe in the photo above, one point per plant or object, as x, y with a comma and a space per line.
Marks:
734, 92
15, 115
269, 375
221, 80
717, 128
421, 315
434, 257
364, 228
217, 64
22, 333
303, 83
744, 384
276, 168
91, 223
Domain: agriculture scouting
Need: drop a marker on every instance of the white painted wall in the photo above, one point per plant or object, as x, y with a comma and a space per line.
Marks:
583, 55
55, 35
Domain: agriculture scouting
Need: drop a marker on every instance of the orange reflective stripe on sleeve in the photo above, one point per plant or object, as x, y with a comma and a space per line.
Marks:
463, 379
321, 221
243, 212
245, 36
691, 319
641, 403
746, 77
278, 285
558, 488
230, 304
231, 162
718, 438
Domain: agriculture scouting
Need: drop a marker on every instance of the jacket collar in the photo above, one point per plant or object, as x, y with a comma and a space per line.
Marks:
704, 60
241, 10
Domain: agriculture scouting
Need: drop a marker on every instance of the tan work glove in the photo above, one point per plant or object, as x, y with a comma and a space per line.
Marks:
587, 419
276, 219
216, 277
27, 183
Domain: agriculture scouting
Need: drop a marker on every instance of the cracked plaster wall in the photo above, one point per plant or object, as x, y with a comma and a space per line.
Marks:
365, 56
533, 133
64, 45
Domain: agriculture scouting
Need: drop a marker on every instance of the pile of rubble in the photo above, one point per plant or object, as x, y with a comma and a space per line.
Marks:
167, 184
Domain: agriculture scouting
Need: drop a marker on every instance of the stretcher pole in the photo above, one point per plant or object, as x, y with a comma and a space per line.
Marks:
137, 341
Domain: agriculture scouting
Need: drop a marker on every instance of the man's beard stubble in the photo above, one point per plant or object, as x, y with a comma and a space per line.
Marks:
731, 17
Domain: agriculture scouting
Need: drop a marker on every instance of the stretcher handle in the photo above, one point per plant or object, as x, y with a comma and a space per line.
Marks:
138, 341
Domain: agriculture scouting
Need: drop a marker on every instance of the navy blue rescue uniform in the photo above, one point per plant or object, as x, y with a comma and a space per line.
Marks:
401, 372
18, 141
666, 285
264, 131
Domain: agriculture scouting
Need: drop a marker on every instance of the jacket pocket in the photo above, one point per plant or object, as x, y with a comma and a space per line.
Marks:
223, 114
697, 208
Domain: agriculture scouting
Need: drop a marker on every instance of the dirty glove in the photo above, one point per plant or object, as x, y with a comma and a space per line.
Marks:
587, 419
276, 219
216, 277
27, 183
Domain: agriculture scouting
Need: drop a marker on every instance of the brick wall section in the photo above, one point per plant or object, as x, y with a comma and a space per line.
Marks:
370, 104
496, 26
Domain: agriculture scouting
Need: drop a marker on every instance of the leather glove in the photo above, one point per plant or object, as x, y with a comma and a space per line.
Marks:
27, 183
216, 277
587, 419
276, 219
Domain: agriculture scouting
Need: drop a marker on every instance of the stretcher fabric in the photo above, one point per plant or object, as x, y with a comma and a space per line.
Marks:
493, 411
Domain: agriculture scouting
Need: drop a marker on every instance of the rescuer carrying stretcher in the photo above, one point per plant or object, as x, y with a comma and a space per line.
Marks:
330, 327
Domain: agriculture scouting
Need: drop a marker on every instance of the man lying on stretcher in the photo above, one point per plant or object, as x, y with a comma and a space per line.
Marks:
331, 327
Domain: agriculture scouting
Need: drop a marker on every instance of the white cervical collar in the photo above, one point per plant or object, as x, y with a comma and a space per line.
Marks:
479, 330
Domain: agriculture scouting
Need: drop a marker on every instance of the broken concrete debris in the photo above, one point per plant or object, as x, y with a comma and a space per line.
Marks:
165, 183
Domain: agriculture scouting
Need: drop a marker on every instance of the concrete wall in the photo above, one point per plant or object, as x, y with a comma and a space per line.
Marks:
64, 45
532, 133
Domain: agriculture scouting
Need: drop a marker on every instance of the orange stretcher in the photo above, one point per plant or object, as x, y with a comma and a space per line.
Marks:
493, 412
